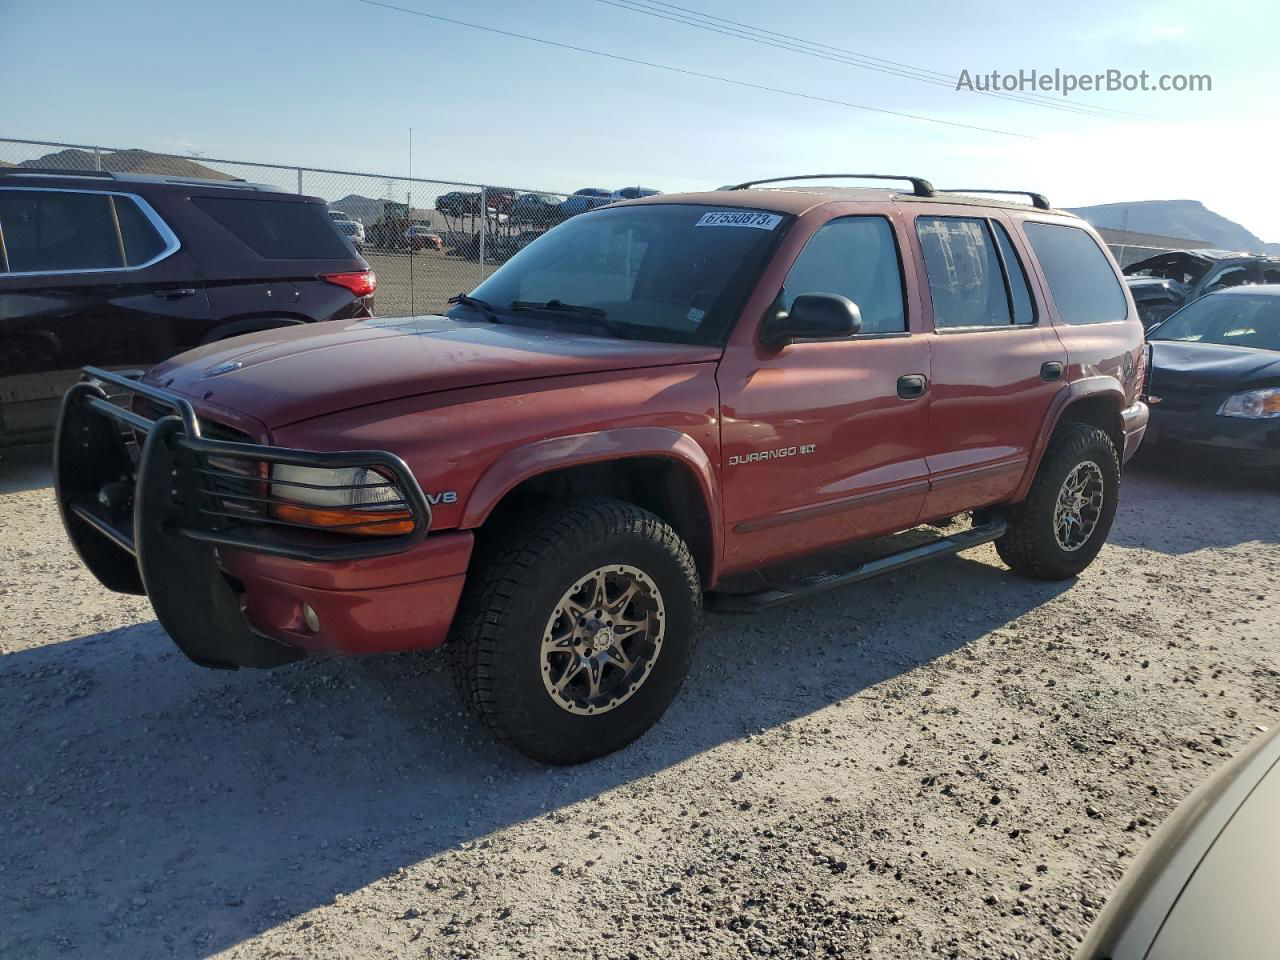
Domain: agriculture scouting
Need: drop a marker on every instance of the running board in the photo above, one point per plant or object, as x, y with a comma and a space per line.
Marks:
776, 596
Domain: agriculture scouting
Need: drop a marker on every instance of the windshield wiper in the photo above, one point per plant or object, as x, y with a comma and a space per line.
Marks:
592, 315
477, 304
558, 306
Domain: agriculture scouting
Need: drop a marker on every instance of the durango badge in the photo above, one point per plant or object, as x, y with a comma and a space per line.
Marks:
759, 456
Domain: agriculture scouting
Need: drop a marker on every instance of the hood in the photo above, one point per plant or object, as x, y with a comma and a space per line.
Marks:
298, 372
1179, 362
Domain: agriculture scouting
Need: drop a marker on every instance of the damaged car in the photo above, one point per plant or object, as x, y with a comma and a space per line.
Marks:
1214, 380
1162, 284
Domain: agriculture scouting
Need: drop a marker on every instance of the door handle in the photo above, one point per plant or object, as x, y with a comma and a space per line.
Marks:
912, 385
1050, 371
176, 294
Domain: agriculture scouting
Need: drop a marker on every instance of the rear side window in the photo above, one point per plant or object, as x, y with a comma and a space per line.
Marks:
53, 230
966, 282
1081, 281
857, 258
279, 229
65, 231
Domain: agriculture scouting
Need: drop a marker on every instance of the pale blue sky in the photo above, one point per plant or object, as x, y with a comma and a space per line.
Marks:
337, 83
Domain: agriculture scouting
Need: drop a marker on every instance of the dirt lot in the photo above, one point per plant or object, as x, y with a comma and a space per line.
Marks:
423, 282
948, 762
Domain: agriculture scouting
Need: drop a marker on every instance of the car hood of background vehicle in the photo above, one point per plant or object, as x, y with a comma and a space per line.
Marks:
294, 373
1211, 364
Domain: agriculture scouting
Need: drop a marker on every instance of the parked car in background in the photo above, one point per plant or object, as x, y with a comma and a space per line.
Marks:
1205, 885
536, 208
499, 199
340, 215
1214, 379
1162, 284
466, 203
459, 203
588, 198
634, 193
655, 405
353, 230
118, 270
418, 236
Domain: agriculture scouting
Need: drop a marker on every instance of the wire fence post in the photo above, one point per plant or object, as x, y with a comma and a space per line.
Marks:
484, 218
299, 180
97, 158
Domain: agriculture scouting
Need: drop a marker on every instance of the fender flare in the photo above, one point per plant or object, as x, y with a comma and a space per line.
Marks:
556, 453
234, 328
1088, 387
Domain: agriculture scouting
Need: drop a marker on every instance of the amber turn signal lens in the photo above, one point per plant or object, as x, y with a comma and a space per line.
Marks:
386, 523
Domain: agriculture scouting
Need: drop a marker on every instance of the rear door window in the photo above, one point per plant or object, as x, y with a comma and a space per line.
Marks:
966, 280
857, 258
279, 229
54, 230
1081, 281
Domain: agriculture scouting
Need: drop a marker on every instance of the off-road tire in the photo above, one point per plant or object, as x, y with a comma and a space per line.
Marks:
514, 588
1030, 546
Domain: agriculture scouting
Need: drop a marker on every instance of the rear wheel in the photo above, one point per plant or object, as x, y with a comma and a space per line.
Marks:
1064, 521
577, 632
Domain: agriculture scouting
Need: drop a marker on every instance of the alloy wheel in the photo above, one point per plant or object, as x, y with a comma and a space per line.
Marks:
602, 639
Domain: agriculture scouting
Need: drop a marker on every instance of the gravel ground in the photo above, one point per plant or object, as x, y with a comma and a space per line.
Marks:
947, 762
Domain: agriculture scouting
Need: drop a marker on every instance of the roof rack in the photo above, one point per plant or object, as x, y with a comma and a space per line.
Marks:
55, 172
919, 186
1038, 200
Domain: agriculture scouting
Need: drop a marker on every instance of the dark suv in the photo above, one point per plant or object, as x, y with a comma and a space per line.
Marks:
124, 271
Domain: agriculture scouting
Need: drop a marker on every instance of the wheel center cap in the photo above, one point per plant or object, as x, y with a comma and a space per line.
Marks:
602, 639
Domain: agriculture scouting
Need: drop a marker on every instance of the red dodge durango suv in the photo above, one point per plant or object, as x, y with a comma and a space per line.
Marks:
657, 405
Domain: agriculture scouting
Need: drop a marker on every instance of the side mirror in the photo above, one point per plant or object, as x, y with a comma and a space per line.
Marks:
813, 316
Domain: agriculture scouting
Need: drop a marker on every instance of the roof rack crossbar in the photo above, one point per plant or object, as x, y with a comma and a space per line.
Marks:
919, 186
1038, 200
55, 172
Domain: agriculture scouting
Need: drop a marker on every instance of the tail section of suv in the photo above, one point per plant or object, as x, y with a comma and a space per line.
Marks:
650, 409
123, 271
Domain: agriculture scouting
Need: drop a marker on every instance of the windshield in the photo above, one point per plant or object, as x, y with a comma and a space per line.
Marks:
1234, 319
671, 272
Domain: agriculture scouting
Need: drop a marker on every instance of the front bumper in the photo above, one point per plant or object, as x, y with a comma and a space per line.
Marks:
155, 507
1134, 421
1235, 440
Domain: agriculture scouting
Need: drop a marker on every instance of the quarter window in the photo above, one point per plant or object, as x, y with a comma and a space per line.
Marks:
966, 280
279, 229
1024, 310
1081, 280
46, 231
855, 257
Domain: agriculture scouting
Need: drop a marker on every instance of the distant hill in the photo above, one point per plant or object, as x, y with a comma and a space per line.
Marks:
1188, 219
127, 161
365, 209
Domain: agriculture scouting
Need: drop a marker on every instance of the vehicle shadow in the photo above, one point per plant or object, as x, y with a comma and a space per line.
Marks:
1177, 507
26, 468
156, 808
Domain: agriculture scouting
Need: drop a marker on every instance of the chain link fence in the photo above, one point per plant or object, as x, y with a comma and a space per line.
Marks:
427, 240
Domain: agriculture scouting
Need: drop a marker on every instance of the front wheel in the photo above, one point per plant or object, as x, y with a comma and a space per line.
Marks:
1062, 524
577, 632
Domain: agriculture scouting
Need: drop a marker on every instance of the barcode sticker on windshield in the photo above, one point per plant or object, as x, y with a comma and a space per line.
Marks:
740, 218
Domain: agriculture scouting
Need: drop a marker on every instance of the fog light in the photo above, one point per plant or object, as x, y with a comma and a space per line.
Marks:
310, 618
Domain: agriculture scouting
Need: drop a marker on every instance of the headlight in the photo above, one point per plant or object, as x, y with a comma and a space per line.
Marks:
348, 500
1253, 404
